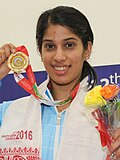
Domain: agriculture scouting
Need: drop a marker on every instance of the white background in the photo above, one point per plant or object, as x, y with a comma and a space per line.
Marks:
18, 19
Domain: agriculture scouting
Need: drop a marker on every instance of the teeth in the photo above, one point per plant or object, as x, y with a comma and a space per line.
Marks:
60, 68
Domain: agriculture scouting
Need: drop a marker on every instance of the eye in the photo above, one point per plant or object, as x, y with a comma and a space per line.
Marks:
49, 46
69, 45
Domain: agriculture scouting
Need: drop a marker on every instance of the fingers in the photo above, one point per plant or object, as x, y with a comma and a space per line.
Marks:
5, 52
115, 147
4, 70
2, 56
116, 134
7, 49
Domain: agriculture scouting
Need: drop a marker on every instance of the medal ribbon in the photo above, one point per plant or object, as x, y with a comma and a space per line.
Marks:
31, 87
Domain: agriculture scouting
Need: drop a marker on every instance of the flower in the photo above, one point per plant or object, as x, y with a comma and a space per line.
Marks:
94, 98
104, 106
109, 91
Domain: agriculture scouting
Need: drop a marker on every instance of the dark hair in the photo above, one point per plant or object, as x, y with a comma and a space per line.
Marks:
77, 23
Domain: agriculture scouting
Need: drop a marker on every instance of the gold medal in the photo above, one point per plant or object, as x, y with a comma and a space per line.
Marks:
18, 62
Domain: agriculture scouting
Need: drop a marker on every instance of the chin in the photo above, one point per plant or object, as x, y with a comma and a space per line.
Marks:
61, 82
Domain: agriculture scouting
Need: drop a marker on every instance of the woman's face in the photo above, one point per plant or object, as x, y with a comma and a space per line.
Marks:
63, 55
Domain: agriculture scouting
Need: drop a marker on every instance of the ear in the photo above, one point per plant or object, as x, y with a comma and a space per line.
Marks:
88, 51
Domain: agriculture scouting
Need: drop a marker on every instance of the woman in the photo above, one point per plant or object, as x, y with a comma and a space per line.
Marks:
36, 129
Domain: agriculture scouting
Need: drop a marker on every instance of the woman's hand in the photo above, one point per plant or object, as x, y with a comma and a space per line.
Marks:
5, 52
115, 147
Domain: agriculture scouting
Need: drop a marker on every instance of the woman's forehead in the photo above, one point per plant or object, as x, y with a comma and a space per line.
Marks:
59, 32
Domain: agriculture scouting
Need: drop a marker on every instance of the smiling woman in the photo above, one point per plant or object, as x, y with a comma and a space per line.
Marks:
55, 130
64, 38
63, 53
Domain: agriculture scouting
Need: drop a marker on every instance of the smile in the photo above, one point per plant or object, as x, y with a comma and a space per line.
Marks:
60, 68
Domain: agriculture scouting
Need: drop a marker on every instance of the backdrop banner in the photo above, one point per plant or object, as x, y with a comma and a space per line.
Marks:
10, 90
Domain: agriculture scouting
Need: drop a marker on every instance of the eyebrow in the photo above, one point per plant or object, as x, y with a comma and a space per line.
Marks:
70, 38
47, 40
66, 39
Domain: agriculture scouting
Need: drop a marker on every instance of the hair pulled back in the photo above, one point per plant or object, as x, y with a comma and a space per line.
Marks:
74, 20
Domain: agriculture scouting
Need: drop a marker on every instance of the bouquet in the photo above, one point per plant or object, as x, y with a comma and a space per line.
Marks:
104, 106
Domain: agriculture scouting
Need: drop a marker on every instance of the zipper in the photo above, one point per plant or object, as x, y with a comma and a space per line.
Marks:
57, 134
58, 118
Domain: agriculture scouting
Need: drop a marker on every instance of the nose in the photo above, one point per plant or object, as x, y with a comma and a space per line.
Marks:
59, 55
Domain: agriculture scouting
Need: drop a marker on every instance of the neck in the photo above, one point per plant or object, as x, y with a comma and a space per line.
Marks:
60, 92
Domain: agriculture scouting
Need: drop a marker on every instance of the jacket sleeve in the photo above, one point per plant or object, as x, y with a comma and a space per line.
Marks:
3, 108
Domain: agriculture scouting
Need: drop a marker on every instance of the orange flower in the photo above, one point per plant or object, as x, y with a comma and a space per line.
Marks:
109, 91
